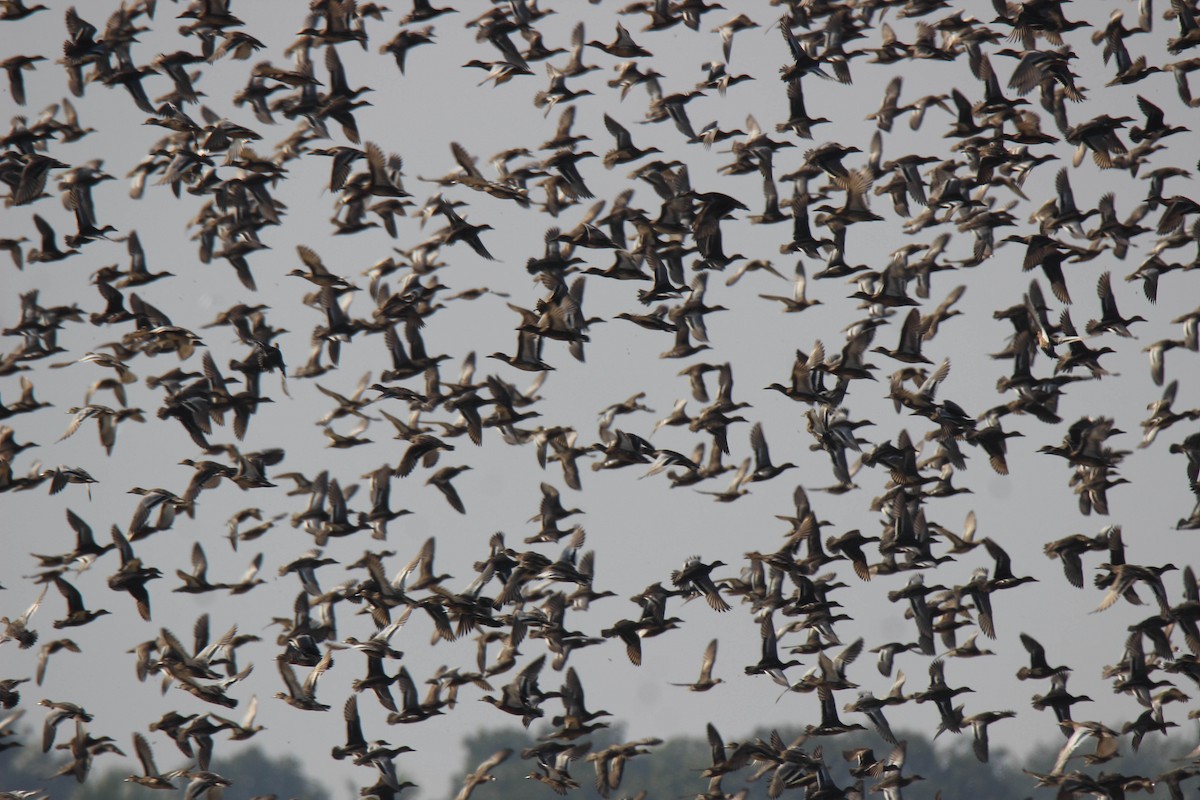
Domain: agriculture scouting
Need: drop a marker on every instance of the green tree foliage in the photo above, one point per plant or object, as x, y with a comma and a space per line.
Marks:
510, 775
253, 772
672, 771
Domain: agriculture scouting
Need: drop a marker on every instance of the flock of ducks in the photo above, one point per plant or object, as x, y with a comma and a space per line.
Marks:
1017, 105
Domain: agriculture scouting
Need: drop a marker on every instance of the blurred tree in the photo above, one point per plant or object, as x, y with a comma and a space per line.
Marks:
253, 772
673, 770
510, 776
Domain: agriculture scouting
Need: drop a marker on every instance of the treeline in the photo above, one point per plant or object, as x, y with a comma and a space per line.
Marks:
672, 770
253, 772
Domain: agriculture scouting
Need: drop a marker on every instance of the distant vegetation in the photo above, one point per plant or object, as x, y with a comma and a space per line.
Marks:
670, 772
253, 771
